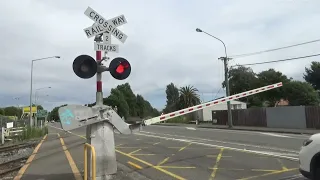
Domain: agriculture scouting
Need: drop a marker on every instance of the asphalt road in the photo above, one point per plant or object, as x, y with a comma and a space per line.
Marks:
162, 152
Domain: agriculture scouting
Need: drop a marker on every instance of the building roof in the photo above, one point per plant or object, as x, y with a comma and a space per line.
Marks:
221, 98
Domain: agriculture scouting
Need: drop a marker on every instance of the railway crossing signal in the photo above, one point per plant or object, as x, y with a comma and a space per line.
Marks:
100, 119
86, 67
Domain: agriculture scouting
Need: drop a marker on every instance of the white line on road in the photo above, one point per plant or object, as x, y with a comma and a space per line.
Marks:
294, 177
288, 135
276, 135
273, 154
191, 128
226, 142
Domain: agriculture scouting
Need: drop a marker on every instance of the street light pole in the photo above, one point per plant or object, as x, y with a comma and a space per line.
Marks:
30, 113
226, 79
35, 103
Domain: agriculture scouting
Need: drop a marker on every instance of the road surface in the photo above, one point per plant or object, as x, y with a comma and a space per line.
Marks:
173, 152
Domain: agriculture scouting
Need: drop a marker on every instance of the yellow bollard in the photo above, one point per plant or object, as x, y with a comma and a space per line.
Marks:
93, 162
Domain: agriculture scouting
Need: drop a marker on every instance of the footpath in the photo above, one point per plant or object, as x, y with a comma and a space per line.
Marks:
246, 128
59, 156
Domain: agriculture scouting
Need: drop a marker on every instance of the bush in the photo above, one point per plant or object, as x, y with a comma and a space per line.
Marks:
179, 119
32, 133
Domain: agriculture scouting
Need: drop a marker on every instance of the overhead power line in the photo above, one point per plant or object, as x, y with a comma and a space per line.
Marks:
270, 50
289, 59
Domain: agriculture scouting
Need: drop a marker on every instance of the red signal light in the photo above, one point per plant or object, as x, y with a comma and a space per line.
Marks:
119, 68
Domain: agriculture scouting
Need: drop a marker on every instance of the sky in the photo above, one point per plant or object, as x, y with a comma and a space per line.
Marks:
162, 45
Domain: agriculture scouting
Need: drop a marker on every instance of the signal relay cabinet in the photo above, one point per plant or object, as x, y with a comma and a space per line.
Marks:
77, 116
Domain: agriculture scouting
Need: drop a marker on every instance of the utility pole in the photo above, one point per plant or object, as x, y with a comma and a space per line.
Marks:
226, 72
226, 79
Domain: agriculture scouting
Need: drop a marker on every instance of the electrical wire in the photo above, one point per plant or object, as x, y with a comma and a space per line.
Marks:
270, 50
281, 60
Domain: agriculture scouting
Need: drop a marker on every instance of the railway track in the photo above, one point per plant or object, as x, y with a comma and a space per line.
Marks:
12, 165
4, 149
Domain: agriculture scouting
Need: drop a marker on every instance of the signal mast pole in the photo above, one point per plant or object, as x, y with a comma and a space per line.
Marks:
101, 135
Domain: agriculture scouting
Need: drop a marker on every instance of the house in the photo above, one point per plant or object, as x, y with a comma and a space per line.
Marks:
206, 113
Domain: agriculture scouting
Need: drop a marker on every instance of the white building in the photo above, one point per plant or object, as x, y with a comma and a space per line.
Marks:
206, 114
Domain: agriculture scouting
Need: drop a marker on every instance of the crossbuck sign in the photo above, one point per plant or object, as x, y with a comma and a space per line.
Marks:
105, 27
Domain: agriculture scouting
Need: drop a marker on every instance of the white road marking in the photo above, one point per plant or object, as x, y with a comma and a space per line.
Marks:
293, 136
229, 143
273, 154
276, 135
294, 177
191, 128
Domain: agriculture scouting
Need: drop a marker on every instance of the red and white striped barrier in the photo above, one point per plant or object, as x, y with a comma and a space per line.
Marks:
211, 103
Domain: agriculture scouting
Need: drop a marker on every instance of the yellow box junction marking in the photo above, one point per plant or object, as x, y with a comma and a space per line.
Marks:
143, 162
268, 174
134, 165
30, 159
132, 153
238, 169
213, 174
181, 149
163, 161
156, 143
161, 168
282, 165
151, 165
215, 156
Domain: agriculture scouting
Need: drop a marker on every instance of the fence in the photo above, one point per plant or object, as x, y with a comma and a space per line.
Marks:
298, 117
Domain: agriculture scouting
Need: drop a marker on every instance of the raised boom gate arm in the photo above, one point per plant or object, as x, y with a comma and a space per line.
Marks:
209, 104
76, 116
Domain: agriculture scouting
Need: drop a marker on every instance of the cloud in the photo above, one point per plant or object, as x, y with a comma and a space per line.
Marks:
162, 44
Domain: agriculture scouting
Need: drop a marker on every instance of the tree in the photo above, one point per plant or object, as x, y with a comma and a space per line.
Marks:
172, 93
53, 115
312, 75
129, 97
2, 111
117, 99
268, 77
188, 97
141, 106
301, 93
243, 79
40, 107
12, 111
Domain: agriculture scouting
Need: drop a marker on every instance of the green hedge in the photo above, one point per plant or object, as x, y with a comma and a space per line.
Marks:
180, 119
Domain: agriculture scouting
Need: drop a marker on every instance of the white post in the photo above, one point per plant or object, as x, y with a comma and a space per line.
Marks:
2, 135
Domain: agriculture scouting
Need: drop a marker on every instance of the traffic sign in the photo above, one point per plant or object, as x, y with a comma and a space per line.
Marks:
106, 47
106, 38
101, 25
41, 113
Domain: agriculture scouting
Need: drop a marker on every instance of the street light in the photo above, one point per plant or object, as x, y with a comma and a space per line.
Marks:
225, 62
40, 59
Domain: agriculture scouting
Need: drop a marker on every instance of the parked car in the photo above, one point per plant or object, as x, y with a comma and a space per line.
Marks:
309, 157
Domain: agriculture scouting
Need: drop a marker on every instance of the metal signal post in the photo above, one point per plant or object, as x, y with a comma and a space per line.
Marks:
100, 119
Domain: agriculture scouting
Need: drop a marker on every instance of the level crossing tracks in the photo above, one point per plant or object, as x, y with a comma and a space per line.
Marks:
12, 166
15, 147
